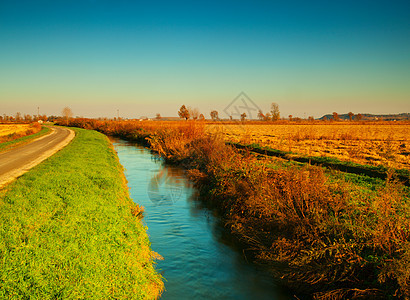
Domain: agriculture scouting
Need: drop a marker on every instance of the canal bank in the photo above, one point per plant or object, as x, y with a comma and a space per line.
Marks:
201, 259
330, 235
69, 230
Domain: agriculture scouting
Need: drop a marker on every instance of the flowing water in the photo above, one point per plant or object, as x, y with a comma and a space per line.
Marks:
200, 260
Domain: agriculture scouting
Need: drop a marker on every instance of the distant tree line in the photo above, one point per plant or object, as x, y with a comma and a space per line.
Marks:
190, 113
27, 118
352, 116
272, 115
20, 118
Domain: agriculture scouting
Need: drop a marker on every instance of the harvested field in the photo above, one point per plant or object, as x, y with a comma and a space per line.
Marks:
12, 132
373, 144
7, 129
336, 235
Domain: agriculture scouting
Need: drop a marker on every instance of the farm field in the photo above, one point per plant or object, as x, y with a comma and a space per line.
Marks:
322, 226
7, 129
384, 144
12, 135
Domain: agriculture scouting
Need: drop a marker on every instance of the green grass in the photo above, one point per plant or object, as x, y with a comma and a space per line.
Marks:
67, 230
23, 140
329, 234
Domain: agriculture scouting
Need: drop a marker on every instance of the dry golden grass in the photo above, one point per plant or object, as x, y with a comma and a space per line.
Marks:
12, 132
6, 129
327, 235
374, 144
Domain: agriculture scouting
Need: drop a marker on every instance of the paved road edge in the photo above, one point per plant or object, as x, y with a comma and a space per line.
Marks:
9, 177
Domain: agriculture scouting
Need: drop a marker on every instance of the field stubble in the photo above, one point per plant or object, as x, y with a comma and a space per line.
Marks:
373, 144
7, 129
10, 132
330, 237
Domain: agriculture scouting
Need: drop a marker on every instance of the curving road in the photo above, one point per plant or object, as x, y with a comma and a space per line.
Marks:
16, 162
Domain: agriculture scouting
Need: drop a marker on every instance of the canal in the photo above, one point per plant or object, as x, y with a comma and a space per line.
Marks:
200, 259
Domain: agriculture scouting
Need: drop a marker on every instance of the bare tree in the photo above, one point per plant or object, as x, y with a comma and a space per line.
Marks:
193, 112
290, 118
261, 116
214, 115
18, 117
158, 116
358, 117
201, 117
335, 116
67, 113
350, 114
275, 111
243, 117
28, 118
183, 112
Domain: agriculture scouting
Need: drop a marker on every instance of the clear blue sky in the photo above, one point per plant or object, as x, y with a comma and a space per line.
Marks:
148, 57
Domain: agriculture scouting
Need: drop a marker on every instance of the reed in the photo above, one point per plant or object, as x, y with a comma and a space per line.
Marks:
325, 237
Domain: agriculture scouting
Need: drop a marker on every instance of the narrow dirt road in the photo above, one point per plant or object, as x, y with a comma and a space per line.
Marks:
16, 162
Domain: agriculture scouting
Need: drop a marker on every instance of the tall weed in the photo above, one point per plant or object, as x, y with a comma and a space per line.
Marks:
327, 238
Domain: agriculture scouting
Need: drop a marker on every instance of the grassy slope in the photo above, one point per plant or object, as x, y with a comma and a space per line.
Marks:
67, 231
23, 140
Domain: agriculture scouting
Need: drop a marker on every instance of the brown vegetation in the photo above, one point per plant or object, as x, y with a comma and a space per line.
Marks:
326, 237
374, 144
10, 132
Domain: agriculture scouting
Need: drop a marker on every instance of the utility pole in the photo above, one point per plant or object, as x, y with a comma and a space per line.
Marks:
38, 112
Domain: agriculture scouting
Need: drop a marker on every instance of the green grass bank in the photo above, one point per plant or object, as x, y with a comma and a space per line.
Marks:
69, 230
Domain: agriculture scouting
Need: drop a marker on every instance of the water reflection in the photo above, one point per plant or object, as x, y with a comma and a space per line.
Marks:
167, 186
200, 260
